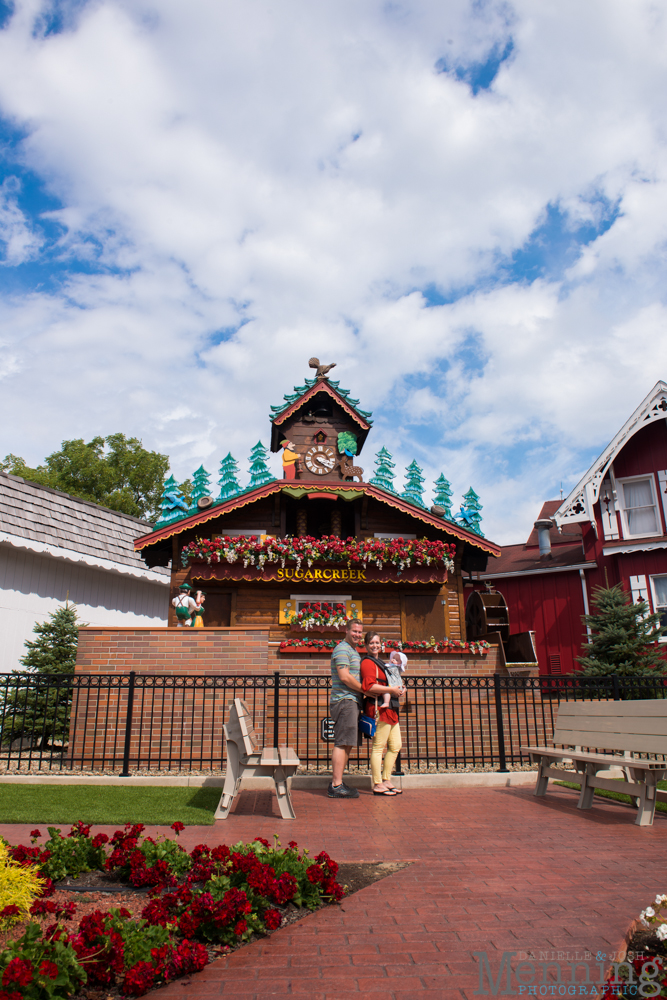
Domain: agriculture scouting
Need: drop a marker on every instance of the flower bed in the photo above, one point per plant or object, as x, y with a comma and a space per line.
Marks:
425, 646
319, 616
644, 972
252, 551
219, 896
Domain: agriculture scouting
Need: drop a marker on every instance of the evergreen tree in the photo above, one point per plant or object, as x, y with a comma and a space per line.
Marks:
414, 484
201, 487
469, 515
173, 504
36, 706
443, 495
384, 475
259, 470
623, 638
228, 482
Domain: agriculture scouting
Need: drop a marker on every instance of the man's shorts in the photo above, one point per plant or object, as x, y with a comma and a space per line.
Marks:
345, 714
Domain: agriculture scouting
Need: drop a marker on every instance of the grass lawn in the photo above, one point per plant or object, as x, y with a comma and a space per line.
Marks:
41, 804
619, 796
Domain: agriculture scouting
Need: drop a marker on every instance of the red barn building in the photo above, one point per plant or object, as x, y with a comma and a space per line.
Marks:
612, 528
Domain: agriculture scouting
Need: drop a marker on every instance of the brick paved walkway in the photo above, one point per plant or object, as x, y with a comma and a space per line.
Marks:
494, 870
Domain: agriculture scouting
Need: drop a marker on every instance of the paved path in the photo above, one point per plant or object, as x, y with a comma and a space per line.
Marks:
494, 870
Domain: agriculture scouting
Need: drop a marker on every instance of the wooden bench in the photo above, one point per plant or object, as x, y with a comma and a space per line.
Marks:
245, 758
633, 727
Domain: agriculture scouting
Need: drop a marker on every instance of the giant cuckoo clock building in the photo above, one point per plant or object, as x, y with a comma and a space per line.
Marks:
333, 530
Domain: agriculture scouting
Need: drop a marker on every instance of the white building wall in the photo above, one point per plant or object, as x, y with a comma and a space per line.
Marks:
33, 585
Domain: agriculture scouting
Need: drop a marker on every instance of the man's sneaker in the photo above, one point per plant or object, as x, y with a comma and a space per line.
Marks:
341, 792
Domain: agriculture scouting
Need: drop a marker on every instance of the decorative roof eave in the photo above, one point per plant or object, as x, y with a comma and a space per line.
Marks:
320, 385
298, 488
433, 519
578, 505
201, 517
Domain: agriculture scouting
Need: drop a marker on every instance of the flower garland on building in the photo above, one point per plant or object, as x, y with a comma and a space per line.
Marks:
252, 551
423, 646
320, 615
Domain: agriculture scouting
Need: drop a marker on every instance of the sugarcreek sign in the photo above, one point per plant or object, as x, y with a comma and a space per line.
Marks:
388, 573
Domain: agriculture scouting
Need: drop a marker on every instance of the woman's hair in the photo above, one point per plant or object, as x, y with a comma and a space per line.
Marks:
369, 636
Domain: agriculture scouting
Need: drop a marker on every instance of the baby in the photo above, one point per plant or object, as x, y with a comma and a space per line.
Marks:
396, 666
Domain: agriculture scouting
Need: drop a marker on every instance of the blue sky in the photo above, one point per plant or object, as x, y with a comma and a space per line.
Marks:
460, 204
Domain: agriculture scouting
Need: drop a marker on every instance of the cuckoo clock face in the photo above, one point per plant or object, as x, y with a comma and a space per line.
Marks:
320, 459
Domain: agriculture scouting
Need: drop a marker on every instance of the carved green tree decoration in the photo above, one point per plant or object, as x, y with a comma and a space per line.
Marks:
259, 470
469, 515
384, 475
228, 482
443, 495
173, 505
347, 443
414, 484
201, 487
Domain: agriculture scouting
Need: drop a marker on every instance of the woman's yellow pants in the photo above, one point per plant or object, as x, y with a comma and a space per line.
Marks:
387, 735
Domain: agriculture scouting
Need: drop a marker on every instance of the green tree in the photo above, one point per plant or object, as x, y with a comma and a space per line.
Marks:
201, 487
173, 505
228, 482
469, 516
384, 471
414, 484
443, 495
115, 471
259, 470
36, 704
624, 637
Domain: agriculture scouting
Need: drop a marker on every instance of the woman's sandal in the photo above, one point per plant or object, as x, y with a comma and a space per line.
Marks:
386, 791
394, 790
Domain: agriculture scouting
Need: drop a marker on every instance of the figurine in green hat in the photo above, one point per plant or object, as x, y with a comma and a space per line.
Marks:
184, 605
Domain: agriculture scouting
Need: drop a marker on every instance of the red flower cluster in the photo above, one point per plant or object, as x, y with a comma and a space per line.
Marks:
19, 972
126, 855
10, 911
251, 551
48, 969
323, 872
61, 911
309, 643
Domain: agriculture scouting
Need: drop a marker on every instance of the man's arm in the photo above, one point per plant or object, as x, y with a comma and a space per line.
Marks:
348, 680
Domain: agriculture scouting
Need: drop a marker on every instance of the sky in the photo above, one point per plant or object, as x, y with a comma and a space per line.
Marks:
461, 204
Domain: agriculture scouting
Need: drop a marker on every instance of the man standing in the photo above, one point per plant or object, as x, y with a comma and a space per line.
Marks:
344, 706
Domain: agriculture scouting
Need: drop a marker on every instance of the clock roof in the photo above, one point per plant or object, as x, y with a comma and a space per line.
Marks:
303, 397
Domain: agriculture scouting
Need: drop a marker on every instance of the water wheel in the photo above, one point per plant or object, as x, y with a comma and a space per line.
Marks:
486, 613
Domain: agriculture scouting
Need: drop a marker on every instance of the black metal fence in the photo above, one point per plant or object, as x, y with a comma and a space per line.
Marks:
157, 722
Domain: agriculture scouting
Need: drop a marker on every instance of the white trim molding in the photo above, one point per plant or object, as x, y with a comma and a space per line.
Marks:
648, 546
96, 562
578, 505
541, 571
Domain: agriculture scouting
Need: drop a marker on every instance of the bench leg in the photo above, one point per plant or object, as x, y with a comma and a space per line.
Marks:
587, 790
542, 779
283, 794
232, 782
646, 800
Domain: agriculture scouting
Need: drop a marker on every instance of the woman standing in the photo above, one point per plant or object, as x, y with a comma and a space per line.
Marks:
388, 731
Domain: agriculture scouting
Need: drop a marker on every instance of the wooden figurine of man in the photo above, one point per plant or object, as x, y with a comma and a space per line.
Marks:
290, 457
184, 605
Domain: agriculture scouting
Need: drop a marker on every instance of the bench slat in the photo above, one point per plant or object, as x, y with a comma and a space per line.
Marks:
596, 758
655, 707
636, 724
611, 741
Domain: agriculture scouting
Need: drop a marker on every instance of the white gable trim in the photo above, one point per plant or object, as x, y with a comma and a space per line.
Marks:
69, 555
578, 506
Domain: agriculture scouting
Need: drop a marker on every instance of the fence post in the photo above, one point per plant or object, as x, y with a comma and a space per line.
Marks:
617, 690
499, 723
276, 695
128, 726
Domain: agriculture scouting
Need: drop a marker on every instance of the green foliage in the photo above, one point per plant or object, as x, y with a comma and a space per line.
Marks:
139, 937
70, 855
414, 484
54, 649
102, 804
30, 707
228, 481
384, 474
168, 851
115, 471
623, 637
36, 950
347, 442
259, 470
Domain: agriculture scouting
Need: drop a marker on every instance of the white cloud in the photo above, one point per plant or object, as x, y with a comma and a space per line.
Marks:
304, 169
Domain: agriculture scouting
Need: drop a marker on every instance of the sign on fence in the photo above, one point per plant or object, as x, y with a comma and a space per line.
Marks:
327, 730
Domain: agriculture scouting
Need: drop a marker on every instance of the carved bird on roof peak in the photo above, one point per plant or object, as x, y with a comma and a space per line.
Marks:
322, 370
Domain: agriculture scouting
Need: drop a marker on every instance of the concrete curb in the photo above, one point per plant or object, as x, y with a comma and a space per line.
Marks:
466, 779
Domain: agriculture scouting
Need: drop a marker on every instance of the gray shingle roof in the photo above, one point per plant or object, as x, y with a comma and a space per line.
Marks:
46, 516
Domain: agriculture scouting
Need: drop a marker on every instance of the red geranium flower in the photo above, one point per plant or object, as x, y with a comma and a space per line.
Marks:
48, 969
177, 827
19, 971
